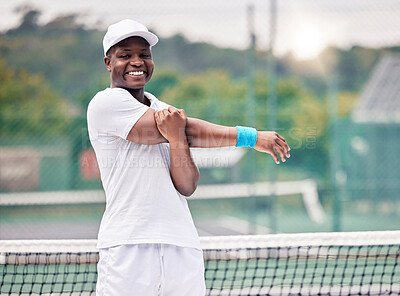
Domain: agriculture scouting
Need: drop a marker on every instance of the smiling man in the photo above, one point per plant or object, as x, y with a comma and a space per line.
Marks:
147, 240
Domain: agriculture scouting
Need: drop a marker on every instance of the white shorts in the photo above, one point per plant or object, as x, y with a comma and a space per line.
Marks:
150, 270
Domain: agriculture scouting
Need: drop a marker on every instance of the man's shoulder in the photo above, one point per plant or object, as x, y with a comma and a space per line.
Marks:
108, 96
110, 92
156, 102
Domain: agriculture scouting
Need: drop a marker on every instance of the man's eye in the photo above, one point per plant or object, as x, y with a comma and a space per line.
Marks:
124, 57
146, 56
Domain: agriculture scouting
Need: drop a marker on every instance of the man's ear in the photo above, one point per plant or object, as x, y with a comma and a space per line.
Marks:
107, 61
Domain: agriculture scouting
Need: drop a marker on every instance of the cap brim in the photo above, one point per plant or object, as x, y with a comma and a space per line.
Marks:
151, 38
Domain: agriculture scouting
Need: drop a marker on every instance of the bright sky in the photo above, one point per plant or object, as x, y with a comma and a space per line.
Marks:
305, 27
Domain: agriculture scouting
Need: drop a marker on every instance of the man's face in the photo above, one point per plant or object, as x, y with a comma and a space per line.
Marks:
130, 63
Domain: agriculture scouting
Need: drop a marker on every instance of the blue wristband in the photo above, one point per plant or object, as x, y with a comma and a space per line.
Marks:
246, 136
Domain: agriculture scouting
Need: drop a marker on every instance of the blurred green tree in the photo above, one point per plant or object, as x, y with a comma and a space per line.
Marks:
212, 96
163, 79
29, 106
217, 97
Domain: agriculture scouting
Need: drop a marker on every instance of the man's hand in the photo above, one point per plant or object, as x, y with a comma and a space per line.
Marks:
270, 142
171, 124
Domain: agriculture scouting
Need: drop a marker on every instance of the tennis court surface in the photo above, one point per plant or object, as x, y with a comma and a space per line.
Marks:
347, 263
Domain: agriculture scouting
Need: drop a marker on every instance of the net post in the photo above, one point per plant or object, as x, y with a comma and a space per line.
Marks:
272, 107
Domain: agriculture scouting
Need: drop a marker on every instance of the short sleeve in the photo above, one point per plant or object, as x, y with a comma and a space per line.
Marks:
114, 111
156, 104
163, 105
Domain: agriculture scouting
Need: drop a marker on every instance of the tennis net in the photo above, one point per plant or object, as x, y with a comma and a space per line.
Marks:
353, 263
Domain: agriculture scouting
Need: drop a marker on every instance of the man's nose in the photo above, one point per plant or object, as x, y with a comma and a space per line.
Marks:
136, 61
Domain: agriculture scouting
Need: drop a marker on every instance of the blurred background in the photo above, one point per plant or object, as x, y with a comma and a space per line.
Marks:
324, 74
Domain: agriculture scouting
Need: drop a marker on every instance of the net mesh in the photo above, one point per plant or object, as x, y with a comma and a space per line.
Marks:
357, 263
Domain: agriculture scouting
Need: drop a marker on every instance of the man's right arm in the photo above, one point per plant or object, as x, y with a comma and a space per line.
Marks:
145, 130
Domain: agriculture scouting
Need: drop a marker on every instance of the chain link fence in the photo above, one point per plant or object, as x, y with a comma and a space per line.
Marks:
330, 67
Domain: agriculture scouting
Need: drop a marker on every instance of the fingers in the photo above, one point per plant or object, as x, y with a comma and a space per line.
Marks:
284, 147
274, 156
280, 137
164, 113
278, 149
182, 113
174, 112
171, 109
157, 117
281, 153
160, 116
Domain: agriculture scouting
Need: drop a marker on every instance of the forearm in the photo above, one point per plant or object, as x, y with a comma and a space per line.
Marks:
184, 173
208, 135
204, 134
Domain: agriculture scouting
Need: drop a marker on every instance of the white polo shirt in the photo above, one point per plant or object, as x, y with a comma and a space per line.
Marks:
142, 204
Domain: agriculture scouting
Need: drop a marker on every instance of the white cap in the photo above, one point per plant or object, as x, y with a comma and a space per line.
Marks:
125, 29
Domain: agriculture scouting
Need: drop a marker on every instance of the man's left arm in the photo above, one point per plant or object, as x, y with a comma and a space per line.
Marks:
171, 124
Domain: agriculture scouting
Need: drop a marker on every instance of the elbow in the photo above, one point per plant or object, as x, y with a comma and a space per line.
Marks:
188, 192
189, 188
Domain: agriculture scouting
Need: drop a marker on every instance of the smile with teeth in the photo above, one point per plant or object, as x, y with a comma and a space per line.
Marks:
135, 73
